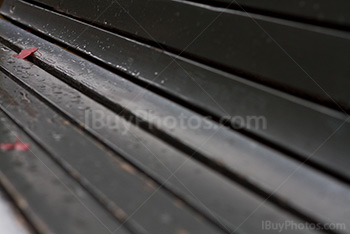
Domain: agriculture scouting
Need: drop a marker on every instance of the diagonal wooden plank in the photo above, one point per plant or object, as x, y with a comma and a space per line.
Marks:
131, 196
320, 12
50, 199
283, 113
284, 54
251, 161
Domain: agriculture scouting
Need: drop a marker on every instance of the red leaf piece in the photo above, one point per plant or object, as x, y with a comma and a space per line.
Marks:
7, 146
25, 53
19, 146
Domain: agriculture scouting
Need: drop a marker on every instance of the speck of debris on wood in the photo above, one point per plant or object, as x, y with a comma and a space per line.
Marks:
66, 122
120, 214
150, 185
24, 96
75, 174
182, 231
178, 203
127, 167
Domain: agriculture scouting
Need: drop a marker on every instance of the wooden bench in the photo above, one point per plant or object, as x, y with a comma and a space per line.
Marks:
174, 116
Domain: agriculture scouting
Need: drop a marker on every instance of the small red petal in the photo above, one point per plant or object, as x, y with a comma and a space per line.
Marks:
21, 146
7, 146
26, 52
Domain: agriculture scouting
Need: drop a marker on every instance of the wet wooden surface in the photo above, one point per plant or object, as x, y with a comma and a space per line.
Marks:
136, 174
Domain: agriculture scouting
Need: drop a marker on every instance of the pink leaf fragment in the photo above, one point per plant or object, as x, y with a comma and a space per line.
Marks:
19, 146
7, 146
25, 53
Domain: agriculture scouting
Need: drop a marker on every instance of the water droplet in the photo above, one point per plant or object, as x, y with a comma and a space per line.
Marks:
12, 9
82, 107
56, 136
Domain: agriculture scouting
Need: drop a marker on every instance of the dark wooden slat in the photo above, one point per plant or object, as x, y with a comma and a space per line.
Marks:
284, 113
128, 194
324, 12
160, 160
302, 61
50, 199
260, 165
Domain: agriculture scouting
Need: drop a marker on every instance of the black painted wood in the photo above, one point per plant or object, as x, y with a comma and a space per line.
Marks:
49, 198
161, 161
132, 197
322, 12
138, 82
218, 94
284, 54
249, 160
